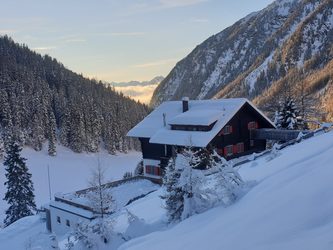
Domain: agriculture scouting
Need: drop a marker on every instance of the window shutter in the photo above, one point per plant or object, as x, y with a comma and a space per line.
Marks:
235, 151
147, 169
257, 125
225, 151
231, 129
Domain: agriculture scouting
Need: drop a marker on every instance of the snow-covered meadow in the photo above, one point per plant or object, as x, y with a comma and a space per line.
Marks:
69, 171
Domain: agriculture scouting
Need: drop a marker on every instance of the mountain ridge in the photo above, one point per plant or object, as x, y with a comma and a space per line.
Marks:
251, 56
156, 80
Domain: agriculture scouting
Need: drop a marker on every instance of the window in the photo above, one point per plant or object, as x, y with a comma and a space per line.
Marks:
226, 130
251, 143
58, 219
240, 147
153, 170
252, 125
68, 224
228, 150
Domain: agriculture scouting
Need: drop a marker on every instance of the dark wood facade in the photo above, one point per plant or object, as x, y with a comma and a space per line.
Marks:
154, 151
241, 133
158, 152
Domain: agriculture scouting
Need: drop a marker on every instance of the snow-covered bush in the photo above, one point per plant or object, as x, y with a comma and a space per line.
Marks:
190, 191
228, 182
93, 234
274, 152
136, 226
127, 175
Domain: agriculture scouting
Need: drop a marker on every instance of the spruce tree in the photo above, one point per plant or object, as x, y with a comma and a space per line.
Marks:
19, 195
2, 146
52, 135
288, 116
174, 195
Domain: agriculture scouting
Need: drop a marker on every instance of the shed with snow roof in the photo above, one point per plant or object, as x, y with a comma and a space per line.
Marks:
224, 124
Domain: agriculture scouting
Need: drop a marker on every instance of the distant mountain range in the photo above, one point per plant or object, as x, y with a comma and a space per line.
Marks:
140, 91
290, 41
155, 81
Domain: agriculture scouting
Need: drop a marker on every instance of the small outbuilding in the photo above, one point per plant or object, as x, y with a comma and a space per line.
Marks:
224, 124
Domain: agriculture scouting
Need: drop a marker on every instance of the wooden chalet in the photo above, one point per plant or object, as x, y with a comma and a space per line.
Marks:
224, 124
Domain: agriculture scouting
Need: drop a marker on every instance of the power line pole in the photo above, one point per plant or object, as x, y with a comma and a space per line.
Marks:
48, 177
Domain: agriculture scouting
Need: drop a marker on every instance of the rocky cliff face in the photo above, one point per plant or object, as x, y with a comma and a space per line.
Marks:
290, 40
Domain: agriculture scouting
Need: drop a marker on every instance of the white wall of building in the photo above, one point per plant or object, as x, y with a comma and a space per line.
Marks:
71, 216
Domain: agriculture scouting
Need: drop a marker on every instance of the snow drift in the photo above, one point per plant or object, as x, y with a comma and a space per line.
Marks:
291, 207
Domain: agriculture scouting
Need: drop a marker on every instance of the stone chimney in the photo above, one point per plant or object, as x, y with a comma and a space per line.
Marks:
185, 101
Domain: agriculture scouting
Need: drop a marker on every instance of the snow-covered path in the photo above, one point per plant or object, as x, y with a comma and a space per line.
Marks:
291, 207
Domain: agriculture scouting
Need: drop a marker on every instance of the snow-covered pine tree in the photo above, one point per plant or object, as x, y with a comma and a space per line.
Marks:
2, 146
19, 195
139, 168
174, 195
288, 116
186, 192
125, 144
182, 184
65, 127
52, 134
191, 179
278, 119
200, 158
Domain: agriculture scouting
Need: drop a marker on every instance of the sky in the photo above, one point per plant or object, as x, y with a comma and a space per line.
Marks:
119, 40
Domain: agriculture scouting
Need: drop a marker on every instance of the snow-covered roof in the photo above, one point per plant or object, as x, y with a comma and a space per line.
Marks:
201, 112
202, 117
72, 209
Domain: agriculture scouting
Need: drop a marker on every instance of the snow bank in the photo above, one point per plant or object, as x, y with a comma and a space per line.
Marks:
26, 233
289, 208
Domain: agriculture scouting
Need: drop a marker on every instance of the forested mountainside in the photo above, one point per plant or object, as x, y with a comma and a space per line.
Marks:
289, 41
42, 101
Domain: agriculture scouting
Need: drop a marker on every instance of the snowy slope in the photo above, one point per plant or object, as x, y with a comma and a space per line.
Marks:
291, 207
27, 233
69, 171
